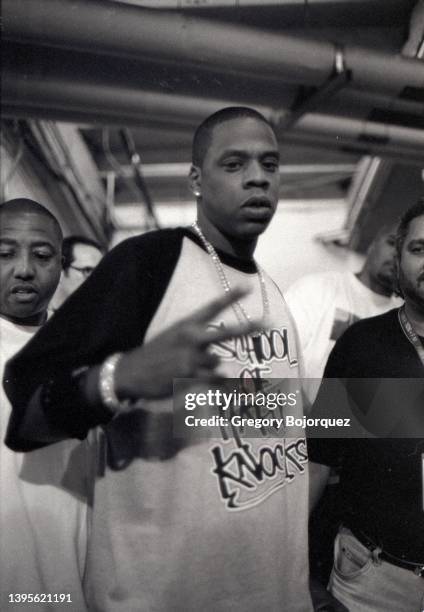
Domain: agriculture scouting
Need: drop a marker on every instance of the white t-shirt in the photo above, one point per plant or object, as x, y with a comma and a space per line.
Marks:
324, 306
43, 510
213, 524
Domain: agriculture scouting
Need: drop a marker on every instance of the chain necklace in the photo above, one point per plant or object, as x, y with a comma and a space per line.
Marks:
238, 308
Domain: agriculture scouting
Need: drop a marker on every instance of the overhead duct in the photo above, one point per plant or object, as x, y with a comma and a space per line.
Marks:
99, 98
91, 101
25, 59
358, 102
205, 4
124, 30
408, 154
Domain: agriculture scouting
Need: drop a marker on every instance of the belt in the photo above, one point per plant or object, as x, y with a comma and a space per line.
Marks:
417, 568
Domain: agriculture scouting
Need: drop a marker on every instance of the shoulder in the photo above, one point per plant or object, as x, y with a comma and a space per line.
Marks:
140, 256
149, 243
312, 290
367, 348
372, 329
321, 280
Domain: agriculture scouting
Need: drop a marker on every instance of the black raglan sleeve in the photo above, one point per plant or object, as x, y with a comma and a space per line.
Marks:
110, 312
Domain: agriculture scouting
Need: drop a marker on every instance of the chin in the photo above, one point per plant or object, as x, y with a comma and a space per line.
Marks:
252, 231
389, 282
25, 315
417, 299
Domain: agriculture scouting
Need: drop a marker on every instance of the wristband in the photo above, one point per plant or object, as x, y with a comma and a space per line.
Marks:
107, 384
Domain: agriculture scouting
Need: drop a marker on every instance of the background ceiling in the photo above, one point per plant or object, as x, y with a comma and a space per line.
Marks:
138, 76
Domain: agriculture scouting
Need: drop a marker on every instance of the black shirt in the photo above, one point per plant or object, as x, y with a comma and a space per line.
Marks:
381, 480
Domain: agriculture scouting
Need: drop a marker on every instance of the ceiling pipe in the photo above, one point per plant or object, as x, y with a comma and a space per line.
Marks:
375, 172
124, 30
190, 5
179, 109
26, 59
83, 96
357, 102
132, 106
405, 154
364, 131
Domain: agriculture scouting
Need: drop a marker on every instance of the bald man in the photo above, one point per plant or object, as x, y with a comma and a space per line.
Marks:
178, 524
42, 525
30, 255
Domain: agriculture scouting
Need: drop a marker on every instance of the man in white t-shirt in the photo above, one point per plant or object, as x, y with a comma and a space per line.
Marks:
325, 305
181, 521
42, 524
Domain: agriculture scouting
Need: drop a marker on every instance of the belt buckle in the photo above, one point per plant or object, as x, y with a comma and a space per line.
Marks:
419, 571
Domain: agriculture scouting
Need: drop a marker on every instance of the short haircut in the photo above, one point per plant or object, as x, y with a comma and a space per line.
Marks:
26, 205
68, 248
417, 210
203, 135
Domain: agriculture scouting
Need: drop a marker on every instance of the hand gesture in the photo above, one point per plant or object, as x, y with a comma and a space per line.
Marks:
181, 351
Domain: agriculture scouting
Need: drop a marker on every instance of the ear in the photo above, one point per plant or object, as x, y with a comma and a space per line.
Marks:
195, 181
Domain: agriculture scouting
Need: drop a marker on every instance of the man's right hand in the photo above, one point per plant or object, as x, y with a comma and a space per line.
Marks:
181, 351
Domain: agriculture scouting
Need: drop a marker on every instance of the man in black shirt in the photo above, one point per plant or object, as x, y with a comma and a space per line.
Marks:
379, 552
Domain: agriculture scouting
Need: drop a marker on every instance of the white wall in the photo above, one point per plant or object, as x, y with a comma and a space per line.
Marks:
25, 176
19, 180
288, 249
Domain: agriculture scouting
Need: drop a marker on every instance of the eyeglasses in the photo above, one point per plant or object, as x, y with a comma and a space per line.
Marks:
84, 271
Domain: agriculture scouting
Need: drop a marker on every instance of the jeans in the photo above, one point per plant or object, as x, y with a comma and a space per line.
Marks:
364, 583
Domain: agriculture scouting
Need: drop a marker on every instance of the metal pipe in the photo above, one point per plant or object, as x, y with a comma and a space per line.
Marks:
405, 154
124, 30
365, 131
133, 106
360, 102
410, 155
207, 4
82, 96
181, 110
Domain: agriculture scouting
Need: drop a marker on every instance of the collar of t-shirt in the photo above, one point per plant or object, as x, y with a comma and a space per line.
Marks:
243, 265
